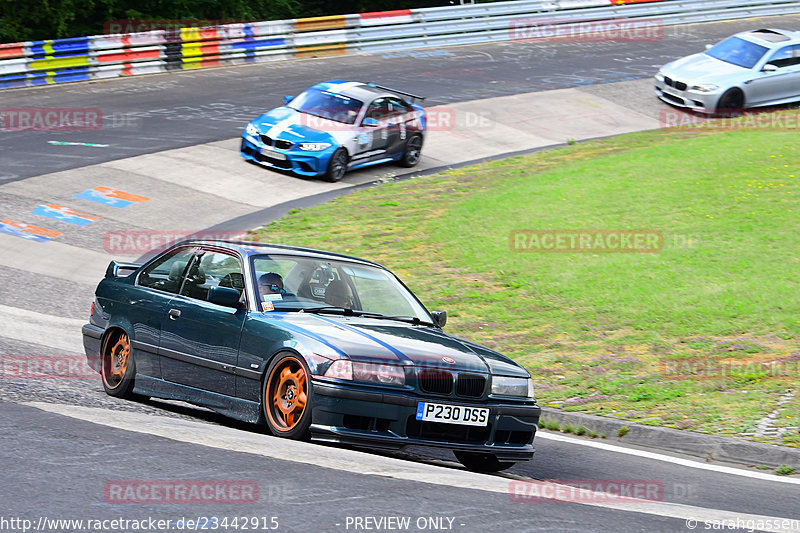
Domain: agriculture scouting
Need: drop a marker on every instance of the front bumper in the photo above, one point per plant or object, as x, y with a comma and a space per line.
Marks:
301, 162
705, 102
388, 420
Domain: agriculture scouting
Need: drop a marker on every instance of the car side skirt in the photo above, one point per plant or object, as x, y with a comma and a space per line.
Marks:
237, 408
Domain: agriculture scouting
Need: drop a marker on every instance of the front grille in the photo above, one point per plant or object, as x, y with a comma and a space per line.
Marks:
470, 385
446, 432
667, 81
435, 381
673, 98
277, 143
680, 85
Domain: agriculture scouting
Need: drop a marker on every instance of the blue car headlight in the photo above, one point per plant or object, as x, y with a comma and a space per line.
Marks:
506, 386
313, 147
251, 130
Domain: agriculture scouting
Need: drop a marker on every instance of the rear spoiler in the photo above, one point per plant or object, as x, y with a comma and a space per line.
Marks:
410, 95
118, 269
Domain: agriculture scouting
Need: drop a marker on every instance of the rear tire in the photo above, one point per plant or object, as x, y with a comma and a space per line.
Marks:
412, 152
337, 166
481, 462
118, 366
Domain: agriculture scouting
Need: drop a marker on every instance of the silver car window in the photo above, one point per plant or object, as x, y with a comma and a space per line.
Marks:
785, 57
738, 51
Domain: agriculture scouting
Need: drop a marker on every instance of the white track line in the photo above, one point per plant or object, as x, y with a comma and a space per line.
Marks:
667, 458
235, 440
63, 334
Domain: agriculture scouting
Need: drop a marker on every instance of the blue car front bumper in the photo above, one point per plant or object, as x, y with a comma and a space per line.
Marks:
301, 162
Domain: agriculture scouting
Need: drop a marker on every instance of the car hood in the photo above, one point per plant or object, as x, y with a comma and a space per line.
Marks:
288, 124
699, 68
389, 341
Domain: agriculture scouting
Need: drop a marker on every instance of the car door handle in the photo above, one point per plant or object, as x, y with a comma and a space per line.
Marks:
174, 313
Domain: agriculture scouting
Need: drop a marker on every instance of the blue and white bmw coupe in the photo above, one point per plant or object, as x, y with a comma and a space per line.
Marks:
336, 126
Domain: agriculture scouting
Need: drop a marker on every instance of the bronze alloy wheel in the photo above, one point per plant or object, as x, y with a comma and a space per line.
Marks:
117, 365
286, 399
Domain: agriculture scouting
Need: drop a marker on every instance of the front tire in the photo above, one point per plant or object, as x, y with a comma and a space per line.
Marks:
481, 462
286, 397
118, 366
413, 151
731, 101
337, 166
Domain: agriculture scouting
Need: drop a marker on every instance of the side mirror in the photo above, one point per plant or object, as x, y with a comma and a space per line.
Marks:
439, 318
224, 296
370, 122
709, 46
769, 67
287, 99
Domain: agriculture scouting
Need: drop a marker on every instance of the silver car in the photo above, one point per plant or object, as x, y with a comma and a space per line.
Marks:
750, 69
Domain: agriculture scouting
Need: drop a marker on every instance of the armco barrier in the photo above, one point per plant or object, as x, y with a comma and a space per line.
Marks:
109, 56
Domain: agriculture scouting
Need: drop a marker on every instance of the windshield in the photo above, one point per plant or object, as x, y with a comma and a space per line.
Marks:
738, 52
295, 283
336, 107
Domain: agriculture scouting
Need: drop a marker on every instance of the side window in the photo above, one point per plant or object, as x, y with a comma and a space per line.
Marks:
398, 106
213, 269
785, 57
166, 273
378, 109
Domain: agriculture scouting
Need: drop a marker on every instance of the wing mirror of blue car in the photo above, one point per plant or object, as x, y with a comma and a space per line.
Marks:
370, 122
439, 318
287, 99
224, 296
709, 46
769, 67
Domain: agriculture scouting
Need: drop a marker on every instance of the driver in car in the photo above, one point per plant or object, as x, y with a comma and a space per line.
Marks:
270, 283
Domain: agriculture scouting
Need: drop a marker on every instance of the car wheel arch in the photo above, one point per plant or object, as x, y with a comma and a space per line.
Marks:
306, 417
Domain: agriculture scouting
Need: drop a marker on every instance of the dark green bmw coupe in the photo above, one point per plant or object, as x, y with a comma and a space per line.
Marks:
314, 344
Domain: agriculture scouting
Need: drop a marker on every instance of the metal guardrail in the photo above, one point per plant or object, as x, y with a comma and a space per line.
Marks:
107, 56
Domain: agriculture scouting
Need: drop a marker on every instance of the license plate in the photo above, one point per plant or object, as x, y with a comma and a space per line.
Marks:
452, 414
273, 154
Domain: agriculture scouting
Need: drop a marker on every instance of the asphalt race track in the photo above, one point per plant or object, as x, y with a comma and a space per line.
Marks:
172, 140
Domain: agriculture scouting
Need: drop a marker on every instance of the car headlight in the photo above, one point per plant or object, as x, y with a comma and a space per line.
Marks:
313, 147
659, 76
707, 88
367, 372
341, 369
505, 386
251, 130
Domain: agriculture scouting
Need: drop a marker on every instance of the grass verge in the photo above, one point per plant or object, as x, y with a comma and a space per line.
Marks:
701, 334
